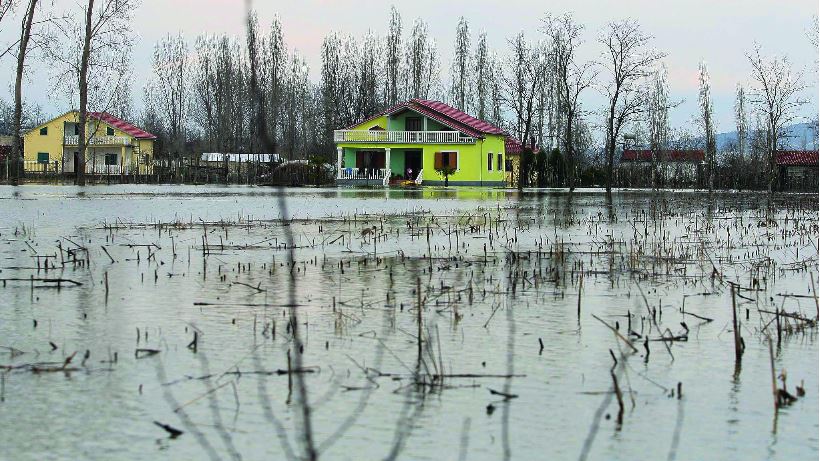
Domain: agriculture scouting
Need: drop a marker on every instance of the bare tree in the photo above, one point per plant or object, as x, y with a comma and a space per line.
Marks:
658, 120
335, 86
777, 99
422, 63
393, 55
275, 62
22, 49
482, 73
496, 93
460, 91
367, 77
6, 9
572, 78
707, 124
168, 88
522, 85
629, 59
741, 120
93, 54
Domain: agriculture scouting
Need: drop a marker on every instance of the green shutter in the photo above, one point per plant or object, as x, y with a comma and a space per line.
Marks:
42, 157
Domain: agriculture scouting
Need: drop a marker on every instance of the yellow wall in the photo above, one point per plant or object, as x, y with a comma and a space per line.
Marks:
52, 143
378, 121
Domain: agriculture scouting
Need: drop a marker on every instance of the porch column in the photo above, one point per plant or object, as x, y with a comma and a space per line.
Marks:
387, 158
339, 153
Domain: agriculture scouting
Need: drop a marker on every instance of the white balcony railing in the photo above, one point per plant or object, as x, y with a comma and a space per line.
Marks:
100, 140
402, 137
364, 174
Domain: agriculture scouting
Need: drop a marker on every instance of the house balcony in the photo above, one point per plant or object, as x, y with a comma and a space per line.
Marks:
99, 141
402, 137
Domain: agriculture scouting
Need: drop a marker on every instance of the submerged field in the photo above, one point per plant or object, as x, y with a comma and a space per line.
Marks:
434, 324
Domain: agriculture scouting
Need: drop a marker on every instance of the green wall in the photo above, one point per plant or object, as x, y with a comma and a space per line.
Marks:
472, 158
396, 122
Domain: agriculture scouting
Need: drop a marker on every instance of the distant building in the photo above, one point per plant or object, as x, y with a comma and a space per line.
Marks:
6, 143
676, 167
222, 157
114, 146
797, 170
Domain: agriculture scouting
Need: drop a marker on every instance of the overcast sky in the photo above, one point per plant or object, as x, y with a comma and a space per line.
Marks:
719, 32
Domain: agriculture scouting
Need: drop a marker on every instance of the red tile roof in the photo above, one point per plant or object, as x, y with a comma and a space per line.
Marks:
446, 115
675, 155
458, 116
796, 157
512, 145
122, 125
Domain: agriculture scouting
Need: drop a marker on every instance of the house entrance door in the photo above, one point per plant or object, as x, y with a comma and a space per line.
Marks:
412, 164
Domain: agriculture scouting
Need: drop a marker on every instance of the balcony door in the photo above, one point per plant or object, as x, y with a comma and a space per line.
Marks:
412, 124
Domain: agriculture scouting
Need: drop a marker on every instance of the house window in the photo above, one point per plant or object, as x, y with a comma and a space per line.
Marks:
500, 162
109, 131
42, 157
44, 131
110, 159
489, 161
412, 124
446, 159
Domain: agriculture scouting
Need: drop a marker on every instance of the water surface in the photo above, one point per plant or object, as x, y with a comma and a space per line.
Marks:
505, 272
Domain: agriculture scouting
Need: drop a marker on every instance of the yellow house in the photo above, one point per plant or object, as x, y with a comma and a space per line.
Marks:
114, 146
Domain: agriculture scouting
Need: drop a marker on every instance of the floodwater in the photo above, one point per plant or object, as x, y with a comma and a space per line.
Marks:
500, 315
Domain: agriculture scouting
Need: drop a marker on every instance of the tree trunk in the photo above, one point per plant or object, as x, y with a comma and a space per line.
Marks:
79, 167
570, 153
17, 170
610, 146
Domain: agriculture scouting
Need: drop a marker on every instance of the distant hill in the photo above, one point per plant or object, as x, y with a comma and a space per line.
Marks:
799, 136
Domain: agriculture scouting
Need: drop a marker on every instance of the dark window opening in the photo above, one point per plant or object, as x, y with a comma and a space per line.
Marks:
110, 159
500, 162
42, 157
44, 131
412, 124
489, 161
109, 131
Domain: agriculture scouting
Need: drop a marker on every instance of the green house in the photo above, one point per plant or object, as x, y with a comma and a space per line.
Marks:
419, 141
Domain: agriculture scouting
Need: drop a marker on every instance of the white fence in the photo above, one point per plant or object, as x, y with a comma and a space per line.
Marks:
99, 140
402, 137
57, 167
